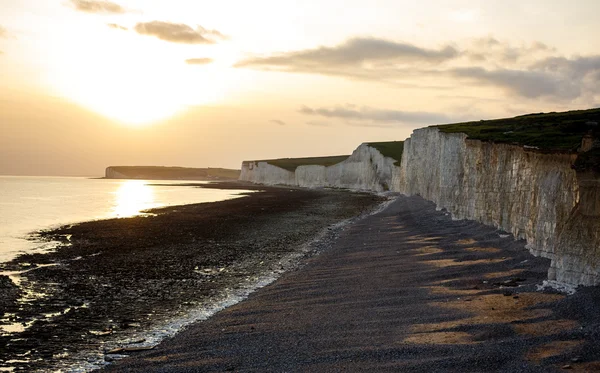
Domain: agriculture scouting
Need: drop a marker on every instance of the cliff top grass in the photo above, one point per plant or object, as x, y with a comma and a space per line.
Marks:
291, 164
392, 149
160, 172
545, 131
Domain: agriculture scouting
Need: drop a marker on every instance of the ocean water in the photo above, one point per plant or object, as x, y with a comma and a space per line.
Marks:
29, 204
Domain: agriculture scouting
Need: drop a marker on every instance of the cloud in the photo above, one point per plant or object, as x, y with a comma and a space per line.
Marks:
555, 77
356, 52
530, 70
199, 61
530, 84
97, 6
277, 121
491, 49
367, 114
117, 27
178, 32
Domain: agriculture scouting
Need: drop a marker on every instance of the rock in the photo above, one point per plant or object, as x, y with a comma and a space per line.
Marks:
6, 283
100, 333
121, 350
508, 283
567, 366
137, 349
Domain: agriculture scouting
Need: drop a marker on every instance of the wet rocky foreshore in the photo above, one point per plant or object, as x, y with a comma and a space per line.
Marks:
113, 278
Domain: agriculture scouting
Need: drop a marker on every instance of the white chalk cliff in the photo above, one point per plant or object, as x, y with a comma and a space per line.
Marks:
365, 169
536, 196
111, 173
522, 191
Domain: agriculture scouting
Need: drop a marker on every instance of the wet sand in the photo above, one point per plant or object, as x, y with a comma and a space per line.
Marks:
116, 279
408, 290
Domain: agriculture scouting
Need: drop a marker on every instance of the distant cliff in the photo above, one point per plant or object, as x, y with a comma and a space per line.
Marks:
170, 173
366, 169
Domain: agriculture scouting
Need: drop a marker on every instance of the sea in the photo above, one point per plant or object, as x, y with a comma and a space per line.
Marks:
32, 203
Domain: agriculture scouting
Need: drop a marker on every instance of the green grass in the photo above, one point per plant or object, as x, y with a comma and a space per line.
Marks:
291, 164
546, 131
392, 149
159, 172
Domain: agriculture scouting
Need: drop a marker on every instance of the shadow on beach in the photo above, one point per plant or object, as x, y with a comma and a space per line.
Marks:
407, 289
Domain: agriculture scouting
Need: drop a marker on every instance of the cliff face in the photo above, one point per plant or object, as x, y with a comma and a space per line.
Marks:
577, 259
365, 169
112, 173
526, 193
170, 173
265, 173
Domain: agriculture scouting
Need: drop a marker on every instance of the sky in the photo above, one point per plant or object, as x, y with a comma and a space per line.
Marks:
86, 84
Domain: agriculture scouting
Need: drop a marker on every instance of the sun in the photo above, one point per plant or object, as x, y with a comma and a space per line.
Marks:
131, 80
132, 96
131, 102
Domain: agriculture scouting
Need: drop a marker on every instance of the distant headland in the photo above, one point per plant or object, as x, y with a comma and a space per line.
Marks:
170, 173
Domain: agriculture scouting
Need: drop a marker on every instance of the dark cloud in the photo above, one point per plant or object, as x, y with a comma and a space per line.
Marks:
355, 52
576, 68
377, 115
527, 70
277, 121
558, 78
97, 6
117, 27
178, 32
199, 61
490, 49
529, 84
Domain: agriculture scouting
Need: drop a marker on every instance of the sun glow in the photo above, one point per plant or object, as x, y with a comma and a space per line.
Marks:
132, 79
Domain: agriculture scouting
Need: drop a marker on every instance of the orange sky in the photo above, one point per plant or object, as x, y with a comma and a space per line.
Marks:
86, 83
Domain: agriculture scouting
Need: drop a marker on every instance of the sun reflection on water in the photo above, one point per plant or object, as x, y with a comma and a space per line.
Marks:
132, 197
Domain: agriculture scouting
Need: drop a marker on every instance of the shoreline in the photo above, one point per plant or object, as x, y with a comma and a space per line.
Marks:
120, 276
